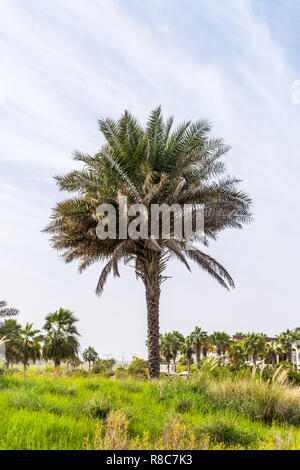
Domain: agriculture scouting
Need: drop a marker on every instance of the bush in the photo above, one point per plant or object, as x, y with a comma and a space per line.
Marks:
294, 377
227, 432
98, 407
138, 368
97, 369
121, 373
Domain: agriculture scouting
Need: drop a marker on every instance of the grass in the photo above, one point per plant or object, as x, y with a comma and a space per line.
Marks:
206, 411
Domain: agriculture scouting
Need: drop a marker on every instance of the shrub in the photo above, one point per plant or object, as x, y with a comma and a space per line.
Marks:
121, 373
294, 377
138, 368
97, 407
113, 436
227, 432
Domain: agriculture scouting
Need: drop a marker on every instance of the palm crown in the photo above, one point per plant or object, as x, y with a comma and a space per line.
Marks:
151, 165
60, 341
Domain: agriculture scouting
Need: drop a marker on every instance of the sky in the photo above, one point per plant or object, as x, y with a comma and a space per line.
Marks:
66, 63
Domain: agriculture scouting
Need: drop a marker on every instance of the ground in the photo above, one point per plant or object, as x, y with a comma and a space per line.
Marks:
44, 412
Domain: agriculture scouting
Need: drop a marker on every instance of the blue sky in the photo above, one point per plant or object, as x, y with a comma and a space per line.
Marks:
66, 63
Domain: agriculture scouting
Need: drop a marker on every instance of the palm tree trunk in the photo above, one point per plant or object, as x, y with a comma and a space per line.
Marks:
168, 365
189, 365
89, 365
152, 285
198, 351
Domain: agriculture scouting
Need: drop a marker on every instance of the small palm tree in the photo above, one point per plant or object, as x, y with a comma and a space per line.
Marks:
90, 355
221, 341
286, 340
254, 344
270, 351
236, 354
11, 330
29, 345
176, 343
200, 341
187, 349
151, 165
165, 343
60, 341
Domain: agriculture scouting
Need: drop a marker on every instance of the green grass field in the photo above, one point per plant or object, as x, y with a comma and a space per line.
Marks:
215, 412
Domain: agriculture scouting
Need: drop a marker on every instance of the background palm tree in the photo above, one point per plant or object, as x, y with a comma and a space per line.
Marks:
270, 352
254, 344
153, 165
90, 355
11, 330
200, 340
29, 345
286, 340
187, 349
165, 343
60, 341
175, 346
236, 354
221, 341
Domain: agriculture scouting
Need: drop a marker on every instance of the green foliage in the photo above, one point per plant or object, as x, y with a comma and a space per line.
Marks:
90, 355
294, 377
227, 432
60, 341
138, 368
224, 411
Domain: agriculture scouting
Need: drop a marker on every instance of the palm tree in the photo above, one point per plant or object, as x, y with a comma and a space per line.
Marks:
11, 330
270, 351
286, 340
90, 355
150, 165
29, 345
187, 349
6, 311
221, 340
175, 346
60, 342
254, 344
200, 340
236, 354
165, 343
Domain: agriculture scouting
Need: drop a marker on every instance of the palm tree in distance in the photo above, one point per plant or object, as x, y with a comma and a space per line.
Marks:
177, 340
254, 344
286, 340
60, 341
151, 165
221, 341
29, 345
200, 340
187, 349
165, 343
90, 355
11, 330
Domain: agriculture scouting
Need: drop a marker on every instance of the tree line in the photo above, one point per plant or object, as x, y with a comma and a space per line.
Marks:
58, 340
199, 344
